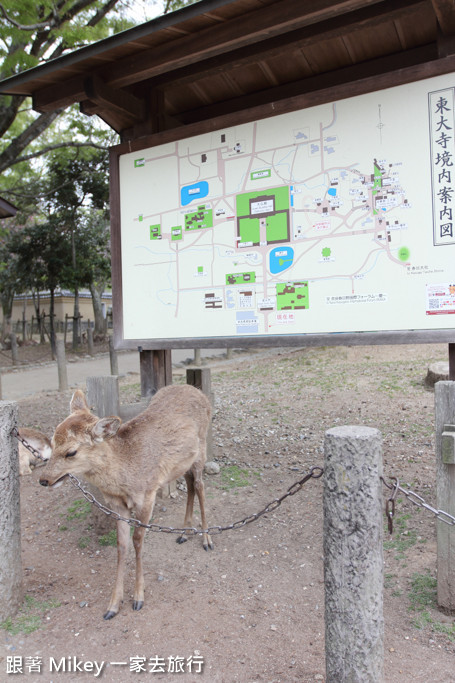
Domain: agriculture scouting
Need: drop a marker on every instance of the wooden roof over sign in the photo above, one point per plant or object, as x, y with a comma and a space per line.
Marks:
7, 210
216, 59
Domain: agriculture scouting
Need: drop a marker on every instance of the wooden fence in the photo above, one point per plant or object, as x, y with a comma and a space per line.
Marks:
39, 327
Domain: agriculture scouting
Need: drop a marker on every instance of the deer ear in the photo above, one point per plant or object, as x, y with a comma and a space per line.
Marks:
78, 402
106, 428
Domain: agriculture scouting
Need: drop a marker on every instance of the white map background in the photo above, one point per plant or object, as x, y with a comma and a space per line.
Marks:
354, 248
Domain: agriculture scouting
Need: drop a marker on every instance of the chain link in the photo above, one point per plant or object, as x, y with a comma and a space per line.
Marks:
27, 445
314, 473
414, 498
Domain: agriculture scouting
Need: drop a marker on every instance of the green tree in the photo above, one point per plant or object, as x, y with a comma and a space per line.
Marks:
9, 282
40, 250
33, 32
77, 198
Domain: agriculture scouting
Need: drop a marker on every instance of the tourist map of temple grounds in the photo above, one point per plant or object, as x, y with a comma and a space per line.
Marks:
337, 218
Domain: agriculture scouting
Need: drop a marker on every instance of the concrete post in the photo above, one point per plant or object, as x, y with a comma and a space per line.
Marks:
90, 346
14, 353
353, 559
444, 399
113, 357
61, 365
10, 520
103, 399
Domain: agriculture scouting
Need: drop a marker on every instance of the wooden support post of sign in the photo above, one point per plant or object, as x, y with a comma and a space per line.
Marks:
444, 399
201, 379
452, 362
155, 369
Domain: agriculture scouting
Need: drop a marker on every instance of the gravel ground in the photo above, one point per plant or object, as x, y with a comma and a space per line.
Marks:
253, 608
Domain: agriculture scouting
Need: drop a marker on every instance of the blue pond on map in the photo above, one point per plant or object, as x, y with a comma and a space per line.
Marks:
198, 191
281, 258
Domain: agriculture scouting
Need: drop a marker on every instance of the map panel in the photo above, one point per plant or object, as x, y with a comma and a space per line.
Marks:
333, 219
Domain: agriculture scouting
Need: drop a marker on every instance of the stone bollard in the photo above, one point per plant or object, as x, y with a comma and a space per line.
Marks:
113, 357
14, 353
353, 557
61, 365
444, 400
10, 521
90, 345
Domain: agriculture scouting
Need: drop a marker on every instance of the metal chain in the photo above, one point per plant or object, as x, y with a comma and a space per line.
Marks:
27, 445
416, 500
314, 473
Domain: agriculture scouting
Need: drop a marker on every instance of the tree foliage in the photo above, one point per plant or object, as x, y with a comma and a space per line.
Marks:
54, 165
34, 32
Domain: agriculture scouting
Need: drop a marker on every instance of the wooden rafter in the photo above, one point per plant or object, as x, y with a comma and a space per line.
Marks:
445, 13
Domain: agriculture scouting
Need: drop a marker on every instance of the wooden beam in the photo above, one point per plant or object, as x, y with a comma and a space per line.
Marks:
445, 13
368, 17
232, 42
332, 93
376, 74
104, 97
272, 20
60, 94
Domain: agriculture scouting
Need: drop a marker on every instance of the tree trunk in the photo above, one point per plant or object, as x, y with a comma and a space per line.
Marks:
7, 298
97, 292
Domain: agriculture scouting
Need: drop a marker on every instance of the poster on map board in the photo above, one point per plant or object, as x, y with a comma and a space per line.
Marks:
333, 219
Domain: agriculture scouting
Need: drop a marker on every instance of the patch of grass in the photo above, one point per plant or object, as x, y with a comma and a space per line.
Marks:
108, 539
83, 542
422, 598
423, 592
402, 538
233, 477
80, 509
28, 618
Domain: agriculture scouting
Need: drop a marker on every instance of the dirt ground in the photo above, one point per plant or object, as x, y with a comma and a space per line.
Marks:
253, 608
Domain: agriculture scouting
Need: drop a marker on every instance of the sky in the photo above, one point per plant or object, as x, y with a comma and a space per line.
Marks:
141, 11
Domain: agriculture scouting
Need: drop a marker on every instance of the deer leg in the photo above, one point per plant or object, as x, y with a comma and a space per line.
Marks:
123, 537
138, 542
199, 486
189, 478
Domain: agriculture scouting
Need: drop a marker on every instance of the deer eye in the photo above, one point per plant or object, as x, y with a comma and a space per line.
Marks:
70, 454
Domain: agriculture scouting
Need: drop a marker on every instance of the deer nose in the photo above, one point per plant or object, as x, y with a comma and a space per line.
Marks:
44, 482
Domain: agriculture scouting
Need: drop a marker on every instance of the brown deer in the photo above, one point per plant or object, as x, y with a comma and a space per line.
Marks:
129, 462
39, 442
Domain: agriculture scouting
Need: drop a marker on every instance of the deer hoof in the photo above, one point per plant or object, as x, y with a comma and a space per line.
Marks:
208, 546
109, 615
182, 539
137, 605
